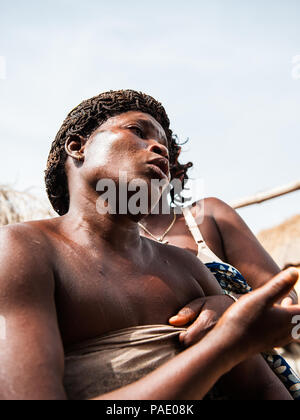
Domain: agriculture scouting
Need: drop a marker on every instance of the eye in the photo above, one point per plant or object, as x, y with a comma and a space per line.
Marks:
138, 131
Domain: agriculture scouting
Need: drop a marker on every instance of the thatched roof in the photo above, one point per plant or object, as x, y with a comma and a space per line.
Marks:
16, 207
283, 242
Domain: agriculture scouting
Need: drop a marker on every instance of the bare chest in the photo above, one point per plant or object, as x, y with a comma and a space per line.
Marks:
180, 236
98, 295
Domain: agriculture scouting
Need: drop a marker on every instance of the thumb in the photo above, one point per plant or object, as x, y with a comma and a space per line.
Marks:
277, 288
188, 314
183, 317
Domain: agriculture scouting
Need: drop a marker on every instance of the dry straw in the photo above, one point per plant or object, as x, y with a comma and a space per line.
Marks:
283, 242
16, 207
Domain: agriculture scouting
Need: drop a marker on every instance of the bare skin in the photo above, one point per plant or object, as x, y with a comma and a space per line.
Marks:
226, 234
228, 344
77, 277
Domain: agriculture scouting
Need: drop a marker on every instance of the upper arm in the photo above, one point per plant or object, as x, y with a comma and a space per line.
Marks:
241, 247
261, 383
31, 351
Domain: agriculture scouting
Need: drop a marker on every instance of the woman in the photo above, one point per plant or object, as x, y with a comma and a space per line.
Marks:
220, 238
215, 232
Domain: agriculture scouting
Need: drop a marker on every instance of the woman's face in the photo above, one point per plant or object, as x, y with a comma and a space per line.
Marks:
128, 142
131, 145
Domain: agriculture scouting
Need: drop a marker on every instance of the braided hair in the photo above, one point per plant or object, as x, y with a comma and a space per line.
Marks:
85, 119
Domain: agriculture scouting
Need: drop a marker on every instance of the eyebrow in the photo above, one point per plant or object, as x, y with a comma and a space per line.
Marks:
149, 125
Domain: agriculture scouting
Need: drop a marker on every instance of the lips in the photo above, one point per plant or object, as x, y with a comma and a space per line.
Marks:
162, 164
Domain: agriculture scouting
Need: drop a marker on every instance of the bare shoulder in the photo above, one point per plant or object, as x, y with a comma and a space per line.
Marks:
217, 211
24, 254
211, 206
27, 302
26, 236
225, 216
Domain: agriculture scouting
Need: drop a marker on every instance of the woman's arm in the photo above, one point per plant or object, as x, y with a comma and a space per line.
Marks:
242, 249
190, 375
253, 380
245, 330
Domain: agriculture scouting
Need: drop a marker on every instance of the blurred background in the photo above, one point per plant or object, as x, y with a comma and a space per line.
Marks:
227, 72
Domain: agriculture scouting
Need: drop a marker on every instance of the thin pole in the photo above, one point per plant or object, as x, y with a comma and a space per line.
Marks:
265, 196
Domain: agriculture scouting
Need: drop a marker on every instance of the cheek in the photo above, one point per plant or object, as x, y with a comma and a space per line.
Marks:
100, 153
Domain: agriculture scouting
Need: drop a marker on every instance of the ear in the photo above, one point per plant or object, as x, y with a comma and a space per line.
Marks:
75, 146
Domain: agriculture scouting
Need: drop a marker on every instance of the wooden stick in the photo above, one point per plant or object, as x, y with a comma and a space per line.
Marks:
265, 196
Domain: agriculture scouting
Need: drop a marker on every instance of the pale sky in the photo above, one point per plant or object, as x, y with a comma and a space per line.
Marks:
223, 70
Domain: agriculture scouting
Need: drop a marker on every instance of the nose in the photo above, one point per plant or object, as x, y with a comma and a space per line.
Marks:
159, 149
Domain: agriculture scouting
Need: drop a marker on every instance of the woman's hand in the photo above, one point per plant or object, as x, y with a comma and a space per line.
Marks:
249, 327
256, 323
205, 312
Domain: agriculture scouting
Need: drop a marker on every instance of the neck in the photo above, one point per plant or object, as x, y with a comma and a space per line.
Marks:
162, 208
119, 232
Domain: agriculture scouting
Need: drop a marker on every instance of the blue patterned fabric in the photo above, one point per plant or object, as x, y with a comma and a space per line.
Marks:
231, 280
284, 372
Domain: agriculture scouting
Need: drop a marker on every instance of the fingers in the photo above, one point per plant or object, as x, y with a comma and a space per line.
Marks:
188, 314
204, 323
278, 287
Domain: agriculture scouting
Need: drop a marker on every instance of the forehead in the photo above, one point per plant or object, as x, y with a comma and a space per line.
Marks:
129, 117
